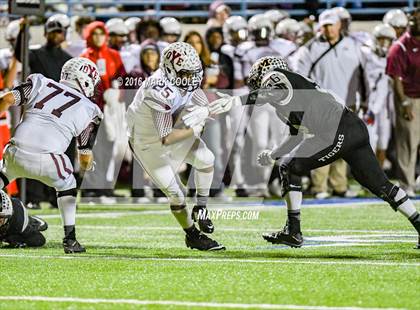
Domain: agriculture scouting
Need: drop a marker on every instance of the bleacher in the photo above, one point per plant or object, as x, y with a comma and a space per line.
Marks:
199, 8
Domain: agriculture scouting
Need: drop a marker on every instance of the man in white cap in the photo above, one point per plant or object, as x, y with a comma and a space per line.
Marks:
334, 61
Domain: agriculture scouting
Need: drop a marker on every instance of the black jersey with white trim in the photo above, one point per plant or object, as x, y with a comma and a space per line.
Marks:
308, 109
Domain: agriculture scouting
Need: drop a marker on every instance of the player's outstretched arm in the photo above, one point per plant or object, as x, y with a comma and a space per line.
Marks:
6, 101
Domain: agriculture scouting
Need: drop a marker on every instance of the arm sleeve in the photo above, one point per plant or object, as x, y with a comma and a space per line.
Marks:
162, 122
86, 139
21, 93
199, 98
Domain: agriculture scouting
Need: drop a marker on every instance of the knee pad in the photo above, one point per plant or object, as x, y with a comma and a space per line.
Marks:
388, 193
204, 158
71, 192
290, 182
175, 195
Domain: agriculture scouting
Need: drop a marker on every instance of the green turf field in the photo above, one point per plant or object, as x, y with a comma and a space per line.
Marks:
355, 257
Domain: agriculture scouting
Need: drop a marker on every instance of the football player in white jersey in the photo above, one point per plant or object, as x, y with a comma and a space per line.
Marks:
266, 129
161, 145
54, 114
380, 92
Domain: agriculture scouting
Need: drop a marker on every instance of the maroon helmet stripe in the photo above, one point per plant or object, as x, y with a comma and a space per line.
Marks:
57, 167
64, 165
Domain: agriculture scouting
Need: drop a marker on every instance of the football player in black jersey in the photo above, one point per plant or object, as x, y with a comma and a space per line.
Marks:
322, 130
17, 228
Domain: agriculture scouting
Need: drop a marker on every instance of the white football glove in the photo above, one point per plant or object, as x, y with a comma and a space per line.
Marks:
264, 158
197, 129
223, 104
197, 115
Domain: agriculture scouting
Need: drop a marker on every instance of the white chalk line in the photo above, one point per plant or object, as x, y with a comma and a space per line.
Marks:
181, 303
292, 261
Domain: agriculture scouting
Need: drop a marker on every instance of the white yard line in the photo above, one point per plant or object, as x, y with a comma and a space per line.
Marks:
388, 233
215, 260
180, 303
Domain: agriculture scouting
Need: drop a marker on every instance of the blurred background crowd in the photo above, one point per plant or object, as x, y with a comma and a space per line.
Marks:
374, 70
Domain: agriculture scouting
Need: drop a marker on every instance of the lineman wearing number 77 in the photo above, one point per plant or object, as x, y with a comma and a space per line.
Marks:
321, 131
54, 114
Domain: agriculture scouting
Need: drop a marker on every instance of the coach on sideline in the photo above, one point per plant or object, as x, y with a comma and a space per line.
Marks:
403, 65
334, 61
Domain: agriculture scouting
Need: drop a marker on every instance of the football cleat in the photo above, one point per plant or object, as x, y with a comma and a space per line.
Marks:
294, 240
418, 244
72, 246
200, 215
203, 243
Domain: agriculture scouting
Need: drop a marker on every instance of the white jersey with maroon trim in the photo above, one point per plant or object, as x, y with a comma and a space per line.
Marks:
155, 96
380, 92
54, 115
253, 54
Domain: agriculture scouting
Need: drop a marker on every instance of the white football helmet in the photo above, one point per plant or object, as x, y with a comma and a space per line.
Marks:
235, 26
396, 18
116, 26
288, 29
81, 74
63, 19
6, 208
132, 22
171, 26
181, 65
260, 27
383, 31
276, 16
263, 66
342, 13
12, 30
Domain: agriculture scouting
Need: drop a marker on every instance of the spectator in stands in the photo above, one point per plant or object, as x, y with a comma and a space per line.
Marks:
213, 132
398, 20
171, 29
110, 66
118, 35
219, 13
47, 60
403, 66
131, 24
76, 46
334, 62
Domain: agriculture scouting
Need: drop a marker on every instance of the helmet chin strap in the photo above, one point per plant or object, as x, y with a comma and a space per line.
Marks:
81, 88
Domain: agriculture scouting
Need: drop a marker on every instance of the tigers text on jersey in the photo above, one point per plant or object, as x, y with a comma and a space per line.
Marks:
54, 114
155, 95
